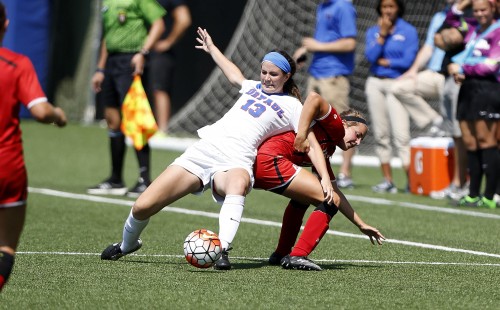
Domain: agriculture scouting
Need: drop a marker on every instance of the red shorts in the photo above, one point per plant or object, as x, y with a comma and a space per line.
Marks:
13, 177
273, 172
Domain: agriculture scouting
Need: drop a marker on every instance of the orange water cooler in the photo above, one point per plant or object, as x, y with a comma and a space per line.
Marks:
431, 166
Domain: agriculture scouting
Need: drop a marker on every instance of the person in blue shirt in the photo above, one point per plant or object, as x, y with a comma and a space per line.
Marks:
332, 48
391, 47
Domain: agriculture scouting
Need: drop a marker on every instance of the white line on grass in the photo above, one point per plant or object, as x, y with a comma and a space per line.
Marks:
381, 201
352, 261
52, 192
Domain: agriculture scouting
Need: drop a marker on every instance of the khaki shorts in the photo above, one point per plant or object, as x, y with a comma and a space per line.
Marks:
335, 90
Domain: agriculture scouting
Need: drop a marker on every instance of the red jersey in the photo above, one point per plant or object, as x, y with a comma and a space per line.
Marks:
277, 162
18, 85
329, 131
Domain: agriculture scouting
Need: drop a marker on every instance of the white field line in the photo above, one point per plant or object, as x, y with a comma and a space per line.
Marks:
381, 201
115, 201
340, 261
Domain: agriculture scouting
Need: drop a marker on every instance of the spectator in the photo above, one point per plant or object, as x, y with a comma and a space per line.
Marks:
18, 84
478, 109
162, 60
391, 47
333, 49
125, 45
450, 39
415, 84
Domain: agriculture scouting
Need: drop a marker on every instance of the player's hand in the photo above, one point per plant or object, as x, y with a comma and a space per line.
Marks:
373, 233
301, 144
204, 39
326, 184
62, 120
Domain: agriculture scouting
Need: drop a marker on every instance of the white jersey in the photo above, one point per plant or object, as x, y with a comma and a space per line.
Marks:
254, 117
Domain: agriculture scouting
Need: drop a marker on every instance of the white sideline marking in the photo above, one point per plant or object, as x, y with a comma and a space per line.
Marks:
381, 201
351, 261
56, 193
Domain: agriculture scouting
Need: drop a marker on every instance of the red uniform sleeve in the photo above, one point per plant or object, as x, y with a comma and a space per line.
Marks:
28, 88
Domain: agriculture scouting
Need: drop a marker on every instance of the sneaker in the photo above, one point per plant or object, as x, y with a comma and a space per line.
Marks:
275, 259
496, 197
440, 130
468, 201
108, 188
452, 192
299, 263
487, 203
385, 187
138, 188
344, 181
113, 252
223, 262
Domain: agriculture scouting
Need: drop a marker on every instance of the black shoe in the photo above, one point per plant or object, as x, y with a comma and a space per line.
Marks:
275, 259
223, 262
108, 188
299, 262
113, 252
138, 189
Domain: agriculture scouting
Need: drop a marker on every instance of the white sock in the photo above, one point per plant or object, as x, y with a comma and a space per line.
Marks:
131, 232
229, 218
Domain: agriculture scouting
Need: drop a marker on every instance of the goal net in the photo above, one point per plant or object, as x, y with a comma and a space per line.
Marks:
266, 25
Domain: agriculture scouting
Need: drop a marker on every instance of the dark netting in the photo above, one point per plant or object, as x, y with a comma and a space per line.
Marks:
266, 25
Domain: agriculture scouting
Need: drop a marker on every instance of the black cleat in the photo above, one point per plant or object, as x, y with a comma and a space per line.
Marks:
299, 263
275, 259
113, 252
223, 262
108, 188
138, 188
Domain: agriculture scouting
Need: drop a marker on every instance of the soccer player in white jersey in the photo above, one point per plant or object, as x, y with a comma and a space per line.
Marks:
223, 158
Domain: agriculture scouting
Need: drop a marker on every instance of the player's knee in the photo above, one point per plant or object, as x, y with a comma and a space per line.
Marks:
331, 210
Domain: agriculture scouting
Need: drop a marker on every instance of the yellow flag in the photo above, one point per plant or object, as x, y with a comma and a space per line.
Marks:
138, 122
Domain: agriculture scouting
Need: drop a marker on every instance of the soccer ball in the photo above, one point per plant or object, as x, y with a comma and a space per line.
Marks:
202, 248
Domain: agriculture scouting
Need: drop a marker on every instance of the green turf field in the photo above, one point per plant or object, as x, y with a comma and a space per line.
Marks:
436, 256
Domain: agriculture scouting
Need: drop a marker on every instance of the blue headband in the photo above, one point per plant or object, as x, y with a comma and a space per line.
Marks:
278, 60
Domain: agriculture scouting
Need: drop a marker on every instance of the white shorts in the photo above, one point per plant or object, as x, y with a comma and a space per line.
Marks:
204, 160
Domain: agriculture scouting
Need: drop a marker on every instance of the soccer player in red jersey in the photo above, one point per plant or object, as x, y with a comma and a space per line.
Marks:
277, 169
18, 83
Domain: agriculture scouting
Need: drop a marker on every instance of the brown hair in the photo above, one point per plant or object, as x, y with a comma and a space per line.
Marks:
350, 114
290, 86
3, 16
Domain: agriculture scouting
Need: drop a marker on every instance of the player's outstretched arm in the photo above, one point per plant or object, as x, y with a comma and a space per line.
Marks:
346, 209
230, 70
44, 112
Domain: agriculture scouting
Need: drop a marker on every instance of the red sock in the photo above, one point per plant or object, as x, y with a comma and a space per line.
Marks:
290, 228
315, 229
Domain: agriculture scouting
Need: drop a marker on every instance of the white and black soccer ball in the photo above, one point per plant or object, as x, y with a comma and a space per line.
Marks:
202, 248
